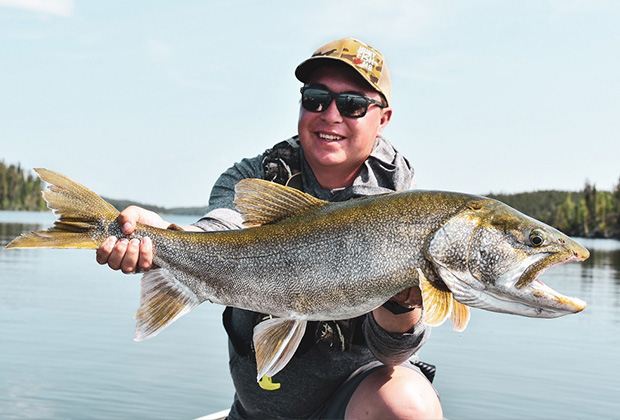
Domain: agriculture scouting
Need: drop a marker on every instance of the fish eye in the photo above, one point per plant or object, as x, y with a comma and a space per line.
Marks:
537, 237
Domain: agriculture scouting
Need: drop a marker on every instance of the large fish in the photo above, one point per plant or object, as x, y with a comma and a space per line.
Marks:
306, 259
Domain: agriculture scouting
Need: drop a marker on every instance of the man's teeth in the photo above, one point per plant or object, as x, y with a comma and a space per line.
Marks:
329, 137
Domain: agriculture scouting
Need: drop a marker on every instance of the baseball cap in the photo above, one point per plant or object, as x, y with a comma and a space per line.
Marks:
363, 58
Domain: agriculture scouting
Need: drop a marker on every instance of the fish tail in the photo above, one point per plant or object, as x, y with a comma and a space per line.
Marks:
83, 218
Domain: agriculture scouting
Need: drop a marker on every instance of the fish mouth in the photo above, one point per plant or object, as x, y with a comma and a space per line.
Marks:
545, 293
540, 265
543, 297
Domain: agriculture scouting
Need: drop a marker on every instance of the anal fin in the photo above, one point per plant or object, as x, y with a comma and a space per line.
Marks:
275, 342
163, 300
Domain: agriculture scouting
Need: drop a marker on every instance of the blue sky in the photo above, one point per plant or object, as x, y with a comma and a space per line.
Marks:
152, 100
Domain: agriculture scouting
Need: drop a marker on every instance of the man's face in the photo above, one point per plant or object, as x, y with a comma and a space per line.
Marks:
329, 139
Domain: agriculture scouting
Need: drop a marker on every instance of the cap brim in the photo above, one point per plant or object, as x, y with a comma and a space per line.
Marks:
305, 69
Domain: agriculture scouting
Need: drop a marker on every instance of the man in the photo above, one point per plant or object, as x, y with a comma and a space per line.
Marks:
355, 368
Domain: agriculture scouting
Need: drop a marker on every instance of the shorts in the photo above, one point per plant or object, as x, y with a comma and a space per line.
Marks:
336, 407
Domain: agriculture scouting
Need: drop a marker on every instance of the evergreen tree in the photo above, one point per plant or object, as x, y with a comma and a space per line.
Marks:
19, 191
566, 216
589, 194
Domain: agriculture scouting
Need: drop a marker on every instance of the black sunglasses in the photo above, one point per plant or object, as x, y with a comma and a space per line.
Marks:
350, 105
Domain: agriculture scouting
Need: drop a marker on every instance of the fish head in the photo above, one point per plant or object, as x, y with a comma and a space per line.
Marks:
491, 256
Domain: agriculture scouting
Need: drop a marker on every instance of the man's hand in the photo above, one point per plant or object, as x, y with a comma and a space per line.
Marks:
409, 298
130, 256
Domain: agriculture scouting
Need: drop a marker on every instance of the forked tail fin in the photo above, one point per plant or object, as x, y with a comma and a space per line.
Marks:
82, 216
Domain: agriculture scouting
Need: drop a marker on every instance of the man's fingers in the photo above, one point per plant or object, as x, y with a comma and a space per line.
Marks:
409, 298
401, 296
116, 257
128, 218
413, 298
145, 259
130, 259
130, 256
105, 249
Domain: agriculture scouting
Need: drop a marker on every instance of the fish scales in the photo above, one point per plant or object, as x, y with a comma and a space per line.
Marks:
321, 265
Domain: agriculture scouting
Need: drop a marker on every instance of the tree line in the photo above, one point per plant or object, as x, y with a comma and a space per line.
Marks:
586, 213
19, 190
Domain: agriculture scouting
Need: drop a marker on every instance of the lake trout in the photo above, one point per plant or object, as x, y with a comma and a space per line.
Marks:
303, 259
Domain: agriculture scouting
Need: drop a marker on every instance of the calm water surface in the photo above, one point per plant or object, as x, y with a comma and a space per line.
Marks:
66, 348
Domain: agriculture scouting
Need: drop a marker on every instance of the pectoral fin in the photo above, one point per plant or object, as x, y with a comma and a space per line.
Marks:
437, 303
275, 342
460, 316
440, 304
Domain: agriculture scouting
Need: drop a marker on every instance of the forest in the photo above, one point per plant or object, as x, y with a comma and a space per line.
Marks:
19, 190
587, 213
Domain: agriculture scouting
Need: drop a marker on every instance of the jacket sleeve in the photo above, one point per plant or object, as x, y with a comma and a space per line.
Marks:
221, 213
393, 349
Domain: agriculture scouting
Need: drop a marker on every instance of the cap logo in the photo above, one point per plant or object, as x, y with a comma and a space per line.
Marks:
365, 58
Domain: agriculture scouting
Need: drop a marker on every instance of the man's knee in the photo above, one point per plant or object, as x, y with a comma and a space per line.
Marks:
396, 393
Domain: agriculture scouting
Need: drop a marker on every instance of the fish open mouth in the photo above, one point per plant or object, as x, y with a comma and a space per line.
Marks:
545, 295
543, 292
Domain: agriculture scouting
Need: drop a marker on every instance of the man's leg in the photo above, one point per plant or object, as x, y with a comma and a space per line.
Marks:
395, 393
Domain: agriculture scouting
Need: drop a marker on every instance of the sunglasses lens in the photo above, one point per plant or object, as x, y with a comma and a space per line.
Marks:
351, 105
315, 100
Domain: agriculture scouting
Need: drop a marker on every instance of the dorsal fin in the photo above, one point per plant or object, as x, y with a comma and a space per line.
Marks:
262, 202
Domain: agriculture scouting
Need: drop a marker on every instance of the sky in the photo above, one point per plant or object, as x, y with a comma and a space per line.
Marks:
152, 100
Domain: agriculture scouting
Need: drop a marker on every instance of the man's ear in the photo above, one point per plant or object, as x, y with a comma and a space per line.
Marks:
386, 115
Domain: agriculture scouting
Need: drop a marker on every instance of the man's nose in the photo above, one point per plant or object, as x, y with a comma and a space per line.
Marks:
331, 114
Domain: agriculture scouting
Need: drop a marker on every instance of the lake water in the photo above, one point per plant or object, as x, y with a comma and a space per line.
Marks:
66, 349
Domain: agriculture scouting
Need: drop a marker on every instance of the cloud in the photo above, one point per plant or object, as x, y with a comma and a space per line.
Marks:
62, 8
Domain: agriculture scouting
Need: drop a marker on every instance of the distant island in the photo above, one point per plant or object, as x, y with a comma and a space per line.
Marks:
586, 213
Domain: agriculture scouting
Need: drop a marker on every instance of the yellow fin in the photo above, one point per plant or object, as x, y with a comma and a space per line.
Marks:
263, 202
82, 216
437, 303
275, 342
163, 300
460, 316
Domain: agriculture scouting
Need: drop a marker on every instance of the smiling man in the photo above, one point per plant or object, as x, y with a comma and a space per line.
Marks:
336, 145
356, 368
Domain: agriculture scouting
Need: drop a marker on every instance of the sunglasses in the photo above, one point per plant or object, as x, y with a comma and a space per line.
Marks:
350, 105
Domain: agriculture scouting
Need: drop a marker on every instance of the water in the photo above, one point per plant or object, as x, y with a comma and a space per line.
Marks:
66, 349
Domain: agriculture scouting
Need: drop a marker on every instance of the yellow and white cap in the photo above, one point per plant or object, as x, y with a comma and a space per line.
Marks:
366, 60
